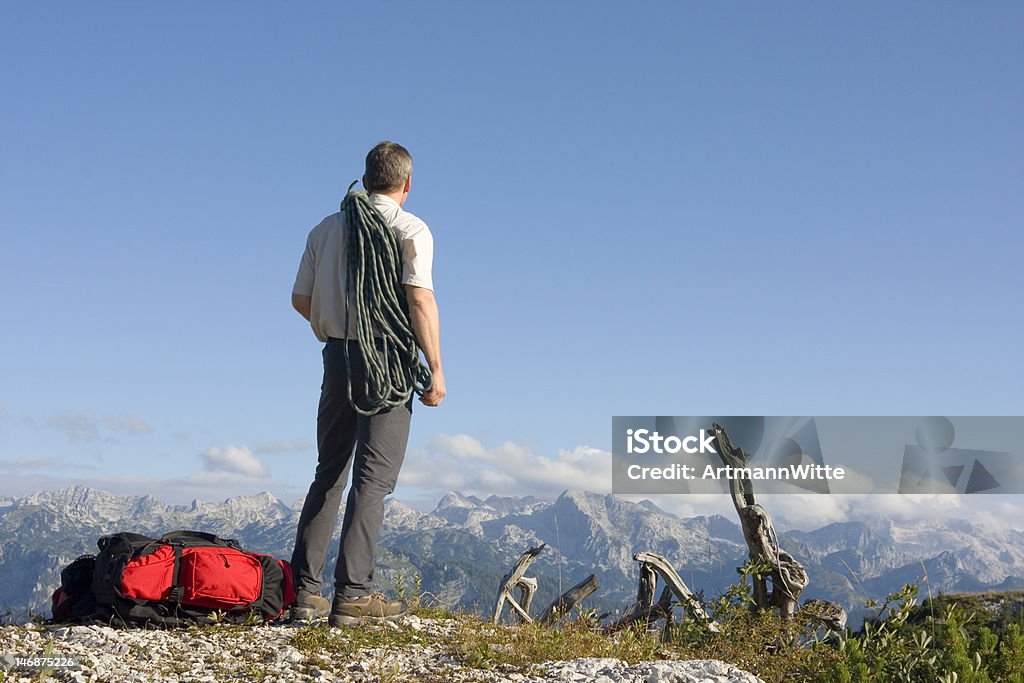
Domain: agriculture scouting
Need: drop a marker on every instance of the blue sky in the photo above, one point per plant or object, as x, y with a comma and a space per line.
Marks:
677, 208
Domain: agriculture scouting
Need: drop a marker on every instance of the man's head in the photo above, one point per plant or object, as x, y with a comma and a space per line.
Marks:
388, 169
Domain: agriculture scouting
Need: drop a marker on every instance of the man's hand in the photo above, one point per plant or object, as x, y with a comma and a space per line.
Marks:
423, 315
435, 394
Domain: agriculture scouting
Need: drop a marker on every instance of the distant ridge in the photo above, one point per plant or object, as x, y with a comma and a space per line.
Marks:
464, 545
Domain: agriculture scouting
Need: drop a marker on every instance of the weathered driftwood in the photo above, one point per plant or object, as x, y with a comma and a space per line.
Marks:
645, 612
688, 600
564, 604
645, 609
665, 606
516, 579
788, 576
527, 586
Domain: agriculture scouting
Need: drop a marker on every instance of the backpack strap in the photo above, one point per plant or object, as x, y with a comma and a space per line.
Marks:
177, 592
199, 538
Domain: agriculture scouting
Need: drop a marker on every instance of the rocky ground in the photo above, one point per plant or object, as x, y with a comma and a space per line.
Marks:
415, 649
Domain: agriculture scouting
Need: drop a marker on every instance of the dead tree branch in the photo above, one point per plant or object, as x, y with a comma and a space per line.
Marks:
645, 609
516, 579
564, 604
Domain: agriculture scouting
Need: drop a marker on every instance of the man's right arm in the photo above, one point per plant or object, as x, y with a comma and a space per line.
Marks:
426, 325
303, 304
302, 290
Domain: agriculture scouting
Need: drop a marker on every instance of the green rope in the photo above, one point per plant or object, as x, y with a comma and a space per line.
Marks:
374, 287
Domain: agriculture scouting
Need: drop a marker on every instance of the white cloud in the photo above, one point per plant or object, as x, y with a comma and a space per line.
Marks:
905, 507
853, 481
19, 465
812, 511
128, 424
805, 510
462, 462
282, 447
463, 447
77, 426
84, 426
232, 459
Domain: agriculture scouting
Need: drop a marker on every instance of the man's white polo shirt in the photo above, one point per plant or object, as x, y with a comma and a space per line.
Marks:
322, 270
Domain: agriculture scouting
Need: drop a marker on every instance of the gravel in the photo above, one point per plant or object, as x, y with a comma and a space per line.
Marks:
264, 653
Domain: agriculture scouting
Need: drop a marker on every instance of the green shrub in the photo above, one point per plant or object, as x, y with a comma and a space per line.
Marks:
949, 648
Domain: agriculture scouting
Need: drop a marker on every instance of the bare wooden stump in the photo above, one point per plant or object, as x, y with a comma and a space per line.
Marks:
686, 597
564, 604
788, 576
645, 609
516, 579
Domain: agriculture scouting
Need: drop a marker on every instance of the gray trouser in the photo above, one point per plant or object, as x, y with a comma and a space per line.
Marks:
373, 448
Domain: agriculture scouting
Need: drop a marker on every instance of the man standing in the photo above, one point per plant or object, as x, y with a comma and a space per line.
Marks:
373, 446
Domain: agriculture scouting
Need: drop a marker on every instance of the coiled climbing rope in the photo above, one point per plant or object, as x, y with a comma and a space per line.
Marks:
384, 331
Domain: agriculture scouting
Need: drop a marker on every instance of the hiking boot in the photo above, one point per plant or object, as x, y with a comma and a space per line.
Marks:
309, 606
368, 608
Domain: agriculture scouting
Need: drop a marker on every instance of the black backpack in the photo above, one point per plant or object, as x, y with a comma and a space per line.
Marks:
181, 578
73, 600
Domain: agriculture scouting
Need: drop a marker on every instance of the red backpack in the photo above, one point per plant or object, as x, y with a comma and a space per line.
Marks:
184, 577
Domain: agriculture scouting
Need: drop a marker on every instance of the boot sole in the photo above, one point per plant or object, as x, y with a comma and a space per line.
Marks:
308, 613
348, 620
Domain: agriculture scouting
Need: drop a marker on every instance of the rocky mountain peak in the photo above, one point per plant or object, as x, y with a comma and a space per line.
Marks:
257, 501
84, 502
398, 514
454, 499
586, 502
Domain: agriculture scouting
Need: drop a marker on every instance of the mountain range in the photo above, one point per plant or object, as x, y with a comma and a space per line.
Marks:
461, 549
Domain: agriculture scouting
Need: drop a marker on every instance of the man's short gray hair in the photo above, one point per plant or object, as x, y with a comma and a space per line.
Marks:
387, 166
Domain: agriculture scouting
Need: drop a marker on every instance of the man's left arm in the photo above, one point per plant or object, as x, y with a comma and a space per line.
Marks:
417, 263
424, 319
